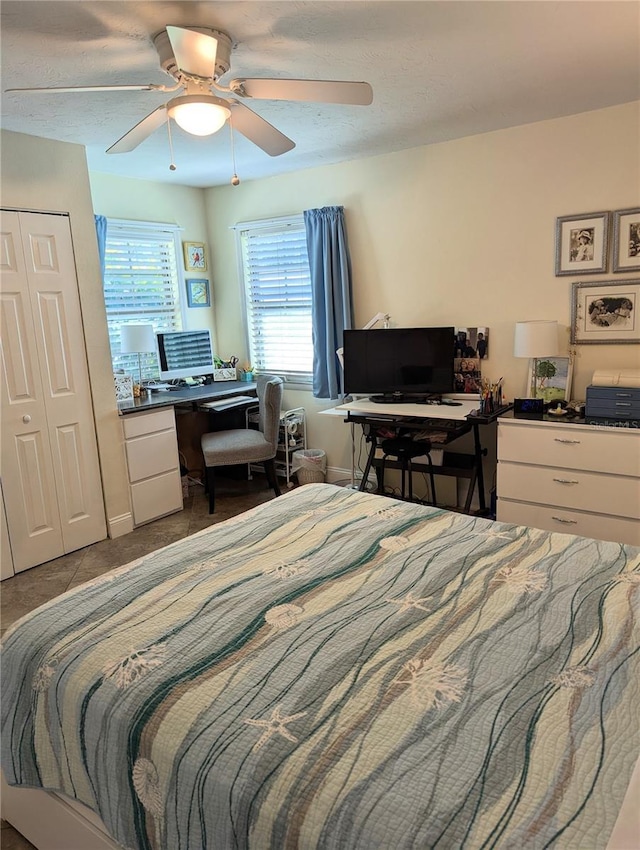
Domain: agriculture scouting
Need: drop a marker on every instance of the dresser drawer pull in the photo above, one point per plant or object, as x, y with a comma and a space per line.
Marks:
569, 442
623, 395
566, 480
565, 521
623, 404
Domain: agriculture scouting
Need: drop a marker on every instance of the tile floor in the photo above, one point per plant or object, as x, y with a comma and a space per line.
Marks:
25, 591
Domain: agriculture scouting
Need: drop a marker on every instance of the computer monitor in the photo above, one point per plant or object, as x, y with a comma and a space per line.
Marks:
184, 354
407, 361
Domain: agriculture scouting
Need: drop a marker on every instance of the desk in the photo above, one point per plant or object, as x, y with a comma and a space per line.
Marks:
151, 442
187, 395
455, 421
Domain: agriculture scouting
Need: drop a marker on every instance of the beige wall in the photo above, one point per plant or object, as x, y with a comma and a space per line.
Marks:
143, 200
42, 175
458, 233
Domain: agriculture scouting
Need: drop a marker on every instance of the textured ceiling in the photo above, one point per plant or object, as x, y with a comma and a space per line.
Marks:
439, 71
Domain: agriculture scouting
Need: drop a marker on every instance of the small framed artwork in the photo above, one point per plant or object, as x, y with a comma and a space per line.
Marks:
552, 379
626, 240
582, 243
605, 312
195, 258
198, 293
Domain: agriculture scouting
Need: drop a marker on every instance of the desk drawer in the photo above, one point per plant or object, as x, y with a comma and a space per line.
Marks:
156, 497
151, 455
586, 491
548, 444
134, 425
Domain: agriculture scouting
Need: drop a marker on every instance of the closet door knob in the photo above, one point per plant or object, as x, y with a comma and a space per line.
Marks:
26, 419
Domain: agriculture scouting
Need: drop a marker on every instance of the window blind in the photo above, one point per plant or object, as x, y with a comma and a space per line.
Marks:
278, 298
142, 283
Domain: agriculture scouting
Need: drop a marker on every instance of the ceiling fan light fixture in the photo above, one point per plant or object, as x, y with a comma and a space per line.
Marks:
200, 115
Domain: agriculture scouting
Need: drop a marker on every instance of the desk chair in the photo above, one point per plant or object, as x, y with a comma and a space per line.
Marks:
405, 449
246, 445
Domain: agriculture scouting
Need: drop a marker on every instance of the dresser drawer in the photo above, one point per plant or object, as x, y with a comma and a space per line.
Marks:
586, 491
616, 452
570, 521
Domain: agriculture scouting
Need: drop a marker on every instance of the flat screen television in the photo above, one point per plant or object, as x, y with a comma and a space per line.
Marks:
184, 354
398, 362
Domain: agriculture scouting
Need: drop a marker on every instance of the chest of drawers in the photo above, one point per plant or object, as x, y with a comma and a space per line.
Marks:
577, 478
151, 447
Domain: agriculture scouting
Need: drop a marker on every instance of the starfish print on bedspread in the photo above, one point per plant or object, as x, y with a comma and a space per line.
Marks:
275, 725
409, 602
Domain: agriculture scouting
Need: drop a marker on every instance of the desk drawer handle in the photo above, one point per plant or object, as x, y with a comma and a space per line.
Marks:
623, 404
565, 521
569, 442
566, 480
623, 395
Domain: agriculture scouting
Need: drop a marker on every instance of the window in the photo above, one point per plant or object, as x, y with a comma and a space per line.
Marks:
142, 283
277, 287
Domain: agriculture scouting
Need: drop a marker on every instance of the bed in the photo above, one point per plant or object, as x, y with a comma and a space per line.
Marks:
336, 669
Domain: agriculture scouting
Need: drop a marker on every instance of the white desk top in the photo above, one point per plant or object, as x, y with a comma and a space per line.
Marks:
425, 411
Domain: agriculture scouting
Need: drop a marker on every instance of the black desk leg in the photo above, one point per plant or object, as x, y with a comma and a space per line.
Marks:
372, 453
479, 453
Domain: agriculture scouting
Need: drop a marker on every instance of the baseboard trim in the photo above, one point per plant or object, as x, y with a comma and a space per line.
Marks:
118, 526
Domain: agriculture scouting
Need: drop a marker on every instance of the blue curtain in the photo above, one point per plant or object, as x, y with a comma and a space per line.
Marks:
331, 306
101, 233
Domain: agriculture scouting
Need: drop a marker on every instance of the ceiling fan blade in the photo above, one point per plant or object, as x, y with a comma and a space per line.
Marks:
318, 91
141, 131
258, 131
63, 89
195, 52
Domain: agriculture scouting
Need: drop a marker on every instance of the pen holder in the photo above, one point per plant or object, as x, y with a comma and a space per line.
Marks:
246, 376
491, 400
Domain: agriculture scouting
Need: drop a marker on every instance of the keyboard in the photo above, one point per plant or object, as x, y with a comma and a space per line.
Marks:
159, 387
225, 403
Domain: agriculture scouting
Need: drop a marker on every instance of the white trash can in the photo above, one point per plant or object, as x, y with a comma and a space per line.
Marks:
309, 466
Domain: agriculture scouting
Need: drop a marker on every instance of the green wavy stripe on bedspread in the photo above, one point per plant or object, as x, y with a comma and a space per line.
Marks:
338, 670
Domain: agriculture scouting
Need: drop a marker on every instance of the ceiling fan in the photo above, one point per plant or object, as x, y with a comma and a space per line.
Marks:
197, 58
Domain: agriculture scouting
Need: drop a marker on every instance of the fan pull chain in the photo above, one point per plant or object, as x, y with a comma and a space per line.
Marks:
235, 180
172, 166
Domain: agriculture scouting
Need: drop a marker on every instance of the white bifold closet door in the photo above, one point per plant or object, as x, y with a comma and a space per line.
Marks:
49, 462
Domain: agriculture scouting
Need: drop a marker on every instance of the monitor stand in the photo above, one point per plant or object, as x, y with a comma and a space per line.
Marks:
403, 398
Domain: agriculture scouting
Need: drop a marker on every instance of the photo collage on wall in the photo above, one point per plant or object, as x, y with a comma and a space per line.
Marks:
470, 348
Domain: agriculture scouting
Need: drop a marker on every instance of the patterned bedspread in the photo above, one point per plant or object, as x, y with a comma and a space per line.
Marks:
338, 670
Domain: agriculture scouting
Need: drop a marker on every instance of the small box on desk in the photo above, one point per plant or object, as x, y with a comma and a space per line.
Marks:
613, 404
227, 373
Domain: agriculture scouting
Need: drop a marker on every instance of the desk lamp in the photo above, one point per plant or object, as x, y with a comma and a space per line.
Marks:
534, 340
137, 339
379, 317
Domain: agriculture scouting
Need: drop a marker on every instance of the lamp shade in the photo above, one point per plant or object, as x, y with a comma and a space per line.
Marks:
136, 339
536, 339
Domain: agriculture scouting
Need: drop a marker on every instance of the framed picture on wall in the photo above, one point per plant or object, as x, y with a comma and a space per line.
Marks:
195, 258
582, 243
553, 378
198, 293
626, 240
605, 312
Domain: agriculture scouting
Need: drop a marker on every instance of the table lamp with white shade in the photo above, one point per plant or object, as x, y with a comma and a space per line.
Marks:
534, 340
137, 339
